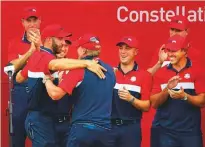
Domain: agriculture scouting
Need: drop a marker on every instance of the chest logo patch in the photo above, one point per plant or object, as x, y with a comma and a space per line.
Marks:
187, 76
133, 79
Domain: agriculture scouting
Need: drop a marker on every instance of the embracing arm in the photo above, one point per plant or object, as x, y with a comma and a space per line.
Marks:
68, 64
54, 91
20, 78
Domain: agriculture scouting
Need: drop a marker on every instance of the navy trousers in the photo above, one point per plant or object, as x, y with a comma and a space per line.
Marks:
20, 105
40, 129
127, 135
89, 134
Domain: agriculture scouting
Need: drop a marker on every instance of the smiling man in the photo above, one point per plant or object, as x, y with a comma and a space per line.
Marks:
19, 51
178, 94
130, 97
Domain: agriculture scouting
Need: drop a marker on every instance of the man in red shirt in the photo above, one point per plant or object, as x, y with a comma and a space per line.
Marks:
178, 94
178, 26
19, 51
93, 96
41, 108
65, 105
130, 97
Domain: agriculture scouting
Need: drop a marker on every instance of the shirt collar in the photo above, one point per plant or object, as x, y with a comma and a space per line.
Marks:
188, 64
44, 49
90, 57
135, 68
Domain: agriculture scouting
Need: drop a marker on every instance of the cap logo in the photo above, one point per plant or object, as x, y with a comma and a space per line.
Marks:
174, 41
95, 40
129, 39
179, 21
33, 10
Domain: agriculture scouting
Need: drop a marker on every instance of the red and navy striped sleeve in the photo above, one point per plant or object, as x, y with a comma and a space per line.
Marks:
71, 79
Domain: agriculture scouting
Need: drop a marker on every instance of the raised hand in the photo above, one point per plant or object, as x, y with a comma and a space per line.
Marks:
162, 54
32, 47
35, 37
124, 94
177, 94
173, 82
96, 68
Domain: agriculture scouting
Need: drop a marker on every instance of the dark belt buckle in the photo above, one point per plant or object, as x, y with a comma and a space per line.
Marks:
119, 122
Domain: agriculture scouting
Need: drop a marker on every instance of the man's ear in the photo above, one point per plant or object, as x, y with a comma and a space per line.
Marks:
187, 31
39, 20
22, 22
84, 50
136, 51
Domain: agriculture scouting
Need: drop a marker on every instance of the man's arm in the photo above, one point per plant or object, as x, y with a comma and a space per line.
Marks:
68, 64
162, 57
154, 68
20, 62
198, 100
20, 78
54, 91
35, 39
22, 75
142, 104
160, 97
67, 84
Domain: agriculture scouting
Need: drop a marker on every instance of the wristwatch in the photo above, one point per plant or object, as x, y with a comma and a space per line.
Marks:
45, 80
132, 100
185, 97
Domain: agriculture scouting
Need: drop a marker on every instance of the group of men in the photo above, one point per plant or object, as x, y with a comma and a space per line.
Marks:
87, 103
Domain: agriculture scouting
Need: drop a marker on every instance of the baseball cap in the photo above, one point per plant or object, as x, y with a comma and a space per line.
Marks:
130, 41
30, 11
177, 42
89, 41
179, 22
54, 30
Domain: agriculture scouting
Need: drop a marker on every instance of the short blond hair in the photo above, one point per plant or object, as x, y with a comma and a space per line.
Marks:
93, 52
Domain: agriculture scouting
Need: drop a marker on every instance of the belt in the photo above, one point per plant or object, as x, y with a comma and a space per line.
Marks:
119, 122
62, 118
